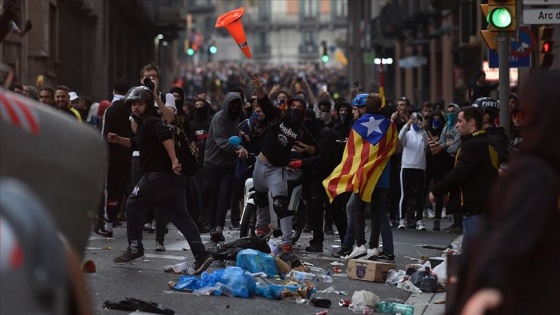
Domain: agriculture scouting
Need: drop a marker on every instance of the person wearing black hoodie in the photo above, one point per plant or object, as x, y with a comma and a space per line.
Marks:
284, 133
344, 119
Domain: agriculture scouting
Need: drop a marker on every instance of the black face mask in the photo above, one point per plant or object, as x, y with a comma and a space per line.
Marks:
296, 114
233, 110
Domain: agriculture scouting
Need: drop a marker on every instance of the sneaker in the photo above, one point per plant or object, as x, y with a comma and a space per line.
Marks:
216, 235
149, 228
371, 254
402, 224
420, 225
388, 257
264, 232
128, 257
203, 229
160, 247
103, 232
342, 253
202, 264
357, 252
314, 248
436, 225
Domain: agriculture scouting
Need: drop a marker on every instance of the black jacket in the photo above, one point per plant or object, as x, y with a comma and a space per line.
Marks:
116, 120
476, 168
328, 156
499, 140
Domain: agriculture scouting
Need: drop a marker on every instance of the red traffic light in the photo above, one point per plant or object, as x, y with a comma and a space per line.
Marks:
547, 47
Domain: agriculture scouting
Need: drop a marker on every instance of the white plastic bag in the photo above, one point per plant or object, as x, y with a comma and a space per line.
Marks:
362, 300
441, 272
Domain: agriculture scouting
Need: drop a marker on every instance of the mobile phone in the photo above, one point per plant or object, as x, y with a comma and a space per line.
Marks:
430, 136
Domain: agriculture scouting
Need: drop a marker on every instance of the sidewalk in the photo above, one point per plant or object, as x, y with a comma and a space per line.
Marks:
431, 303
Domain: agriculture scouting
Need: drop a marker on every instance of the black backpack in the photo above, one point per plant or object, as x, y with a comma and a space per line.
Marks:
184, 150
228, 251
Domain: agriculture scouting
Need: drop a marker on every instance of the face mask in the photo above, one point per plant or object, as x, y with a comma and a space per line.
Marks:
296, 114
233, 110
324, 116
343, 117
415, 127
436, 124
451, 119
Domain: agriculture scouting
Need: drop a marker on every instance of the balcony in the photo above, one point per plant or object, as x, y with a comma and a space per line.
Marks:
261, 52
309, 51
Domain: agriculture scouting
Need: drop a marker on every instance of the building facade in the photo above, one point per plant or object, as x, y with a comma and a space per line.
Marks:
88, 44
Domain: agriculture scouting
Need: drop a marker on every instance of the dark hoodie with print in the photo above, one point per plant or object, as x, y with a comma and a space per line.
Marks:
218, 151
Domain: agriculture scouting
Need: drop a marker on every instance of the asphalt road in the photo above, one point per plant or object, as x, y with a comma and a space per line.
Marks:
146, 280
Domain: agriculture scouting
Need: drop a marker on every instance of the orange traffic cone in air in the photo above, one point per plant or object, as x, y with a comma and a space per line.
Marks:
232, 22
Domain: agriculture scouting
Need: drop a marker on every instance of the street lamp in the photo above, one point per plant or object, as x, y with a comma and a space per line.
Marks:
156, 47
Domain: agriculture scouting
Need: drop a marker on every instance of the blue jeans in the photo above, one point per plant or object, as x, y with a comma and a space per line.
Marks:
380, 221
471, 226
219, 182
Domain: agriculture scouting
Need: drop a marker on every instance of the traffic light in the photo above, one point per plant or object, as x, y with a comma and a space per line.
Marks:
501, 16
212, 49
190, 51
325, 56
546, 45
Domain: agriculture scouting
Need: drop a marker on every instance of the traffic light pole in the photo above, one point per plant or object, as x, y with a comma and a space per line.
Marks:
503, 56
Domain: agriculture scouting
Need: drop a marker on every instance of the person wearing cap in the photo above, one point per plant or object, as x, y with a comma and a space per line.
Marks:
490, 111
62, 100
285, 132
74, 100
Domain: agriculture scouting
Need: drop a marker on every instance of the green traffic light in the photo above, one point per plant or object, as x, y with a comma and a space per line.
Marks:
190, 52
325, 58
213, 49
500, 18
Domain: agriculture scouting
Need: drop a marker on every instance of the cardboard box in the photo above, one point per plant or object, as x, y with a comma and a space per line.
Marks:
369, 270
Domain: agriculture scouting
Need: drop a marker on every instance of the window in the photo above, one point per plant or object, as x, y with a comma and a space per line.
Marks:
339, 8
309, 9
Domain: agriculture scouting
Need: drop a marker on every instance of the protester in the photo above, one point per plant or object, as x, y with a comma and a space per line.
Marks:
512, 267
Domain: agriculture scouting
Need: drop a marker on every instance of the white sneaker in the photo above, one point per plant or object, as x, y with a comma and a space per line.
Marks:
357, 252
402, 224
371, 253
160, 247
420, 225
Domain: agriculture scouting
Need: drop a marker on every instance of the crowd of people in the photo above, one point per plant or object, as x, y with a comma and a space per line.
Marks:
393, 163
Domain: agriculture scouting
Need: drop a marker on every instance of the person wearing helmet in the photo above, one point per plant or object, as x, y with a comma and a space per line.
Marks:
285, 132
359, 105
490, 111
162, 187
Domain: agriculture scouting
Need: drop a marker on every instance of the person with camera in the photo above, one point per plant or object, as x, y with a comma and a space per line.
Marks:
162, 186
284, 133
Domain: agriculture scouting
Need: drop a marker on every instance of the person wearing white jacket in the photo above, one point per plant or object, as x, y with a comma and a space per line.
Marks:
414, 141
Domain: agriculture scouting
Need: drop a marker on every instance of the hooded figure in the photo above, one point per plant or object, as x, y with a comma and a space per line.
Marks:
450, 138
218, 151
344, 116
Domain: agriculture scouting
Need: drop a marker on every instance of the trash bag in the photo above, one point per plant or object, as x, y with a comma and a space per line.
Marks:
242, 283
425, 280
229, 251
362, 299
257, 261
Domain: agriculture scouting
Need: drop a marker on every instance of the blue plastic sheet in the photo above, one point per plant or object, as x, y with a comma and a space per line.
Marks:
256, 261
242, 283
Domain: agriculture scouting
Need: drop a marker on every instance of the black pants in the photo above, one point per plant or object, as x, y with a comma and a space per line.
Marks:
219, 183
165, 193
412, 186
395, 186
119, 184
318, 198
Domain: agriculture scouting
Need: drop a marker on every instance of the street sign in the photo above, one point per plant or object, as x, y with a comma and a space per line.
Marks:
541, 16
514, 62
525, 43
541, 2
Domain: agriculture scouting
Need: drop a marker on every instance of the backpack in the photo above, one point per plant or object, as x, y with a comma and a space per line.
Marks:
184, 150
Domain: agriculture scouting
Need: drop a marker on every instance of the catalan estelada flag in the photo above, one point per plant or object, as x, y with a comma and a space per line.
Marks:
372, 141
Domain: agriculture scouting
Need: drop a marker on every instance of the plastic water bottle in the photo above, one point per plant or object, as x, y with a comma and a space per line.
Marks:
222, 289
301, 276
395, 308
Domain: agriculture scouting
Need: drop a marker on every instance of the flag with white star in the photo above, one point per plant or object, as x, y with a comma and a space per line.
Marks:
371, 143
